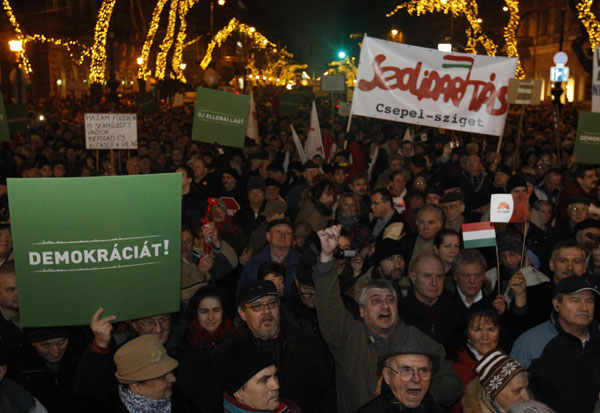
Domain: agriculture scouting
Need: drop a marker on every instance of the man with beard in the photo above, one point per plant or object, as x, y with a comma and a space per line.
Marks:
317, 208
299, 357
389, 263
357, 345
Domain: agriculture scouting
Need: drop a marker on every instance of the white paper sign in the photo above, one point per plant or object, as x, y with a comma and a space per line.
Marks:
427, 87
501, 207
110, 131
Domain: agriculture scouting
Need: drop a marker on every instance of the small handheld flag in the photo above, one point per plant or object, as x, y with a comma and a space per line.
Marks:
478, 235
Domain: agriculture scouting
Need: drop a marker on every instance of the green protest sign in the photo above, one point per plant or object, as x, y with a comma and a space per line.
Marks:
85, 243
587, 141
146, 103
18, 119
4, 131
220, 117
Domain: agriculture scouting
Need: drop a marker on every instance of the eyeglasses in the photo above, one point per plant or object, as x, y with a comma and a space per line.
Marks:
258, 307
407, 373
151, 323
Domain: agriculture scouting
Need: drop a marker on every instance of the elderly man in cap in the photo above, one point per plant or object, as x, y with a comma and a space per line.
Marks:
299, 357
279, 249
356, 345
249, 216
501, 382
274, 209
145, 374
587, 233
251, 383
96, 366
406, 379
564, 352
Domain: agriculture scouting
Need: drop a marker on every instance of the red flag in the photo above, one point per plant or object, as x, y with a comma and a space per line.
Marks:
521, 212
327, 143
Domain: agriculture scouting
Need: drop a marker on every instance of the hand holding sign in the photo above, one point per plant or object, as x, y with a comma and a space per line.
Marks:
102, 328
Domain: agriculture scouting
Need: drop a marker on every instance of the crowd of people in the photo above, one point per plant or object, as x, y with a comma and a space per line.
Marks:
338, 284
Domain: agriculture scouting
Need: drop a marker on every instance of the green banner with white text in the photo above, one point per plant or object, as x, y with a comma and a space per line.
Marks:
220, 117
587, 140
84, 243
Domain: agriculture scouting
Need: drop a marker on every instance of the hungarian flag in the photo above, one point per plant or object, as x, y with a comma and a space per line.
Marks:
509, 208
478, 235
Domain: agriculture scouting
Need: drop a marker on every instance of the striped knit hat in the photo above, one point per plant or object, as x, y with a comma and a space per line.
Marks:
495, 371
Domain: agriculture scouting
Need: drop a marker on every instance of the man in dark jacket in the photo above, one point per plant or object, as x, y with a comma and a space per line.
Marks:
305, 368
357, 345
425, 307
565, 375
48, 367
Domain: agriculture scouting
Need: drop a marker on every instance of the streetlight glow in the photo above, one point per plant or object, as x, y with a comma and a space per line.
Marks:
394, 32
59, 82
504, 8
140, 60
221, 2
342, 54
15, 46
479, 20
182, 66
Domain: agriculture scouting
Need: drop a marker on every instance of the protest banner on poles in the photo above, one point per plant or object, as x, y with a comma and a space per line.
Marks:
220, 117
422, 86
587, 140
110, 131
4, 131
85, 243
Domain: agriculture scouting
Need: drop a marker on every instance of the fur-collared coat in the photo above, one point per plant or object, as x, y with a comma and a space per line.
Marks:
474, 400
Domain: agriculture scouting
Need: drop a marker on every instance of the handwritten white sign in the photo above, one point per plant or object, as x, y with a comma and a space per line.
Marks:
111, 131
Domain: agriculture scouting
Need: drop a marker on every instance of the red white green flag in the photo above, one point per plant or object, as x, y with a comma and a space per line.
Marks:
478, 235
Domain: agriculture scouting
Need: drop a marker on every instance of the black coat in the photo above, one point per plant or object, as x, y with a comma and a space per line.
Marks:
386, 402
449, 315
54, 389
566, 376
306, 374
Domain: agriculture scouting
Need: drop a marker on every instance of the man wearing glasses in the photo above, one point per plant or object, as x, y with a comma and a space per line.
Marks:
299, 357
406, 379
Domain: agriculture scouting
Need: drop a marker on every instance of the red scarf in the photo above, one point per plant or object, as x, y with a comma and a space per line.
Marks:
197, 336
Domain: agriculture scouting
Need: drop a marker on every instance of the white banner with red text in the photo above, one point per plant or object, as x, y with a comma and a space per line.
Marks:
422, 86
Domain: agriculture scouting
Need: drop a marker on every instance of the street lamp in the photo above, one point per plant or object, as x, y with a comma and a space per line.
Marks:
341, 54
182, 66
394, 32
16, 46
141, 81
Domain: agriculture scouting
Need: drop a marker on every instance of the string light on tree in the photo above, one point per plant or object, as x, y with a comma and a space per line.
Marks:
98, 65
510, 34
590, 21
143, 72
161, 59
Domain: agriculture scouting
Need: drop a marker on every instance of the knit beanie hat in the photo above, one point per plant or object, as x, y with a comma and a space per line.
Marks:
244, 360
514, 182
495, 370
